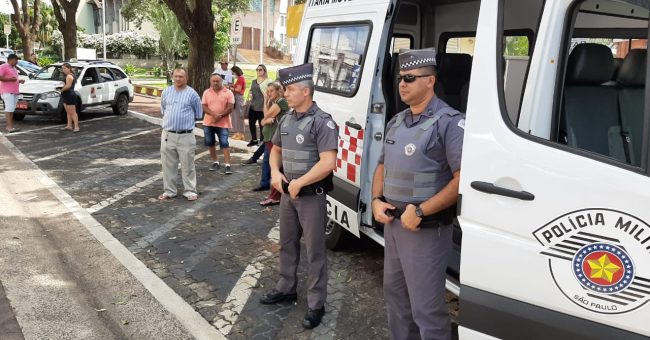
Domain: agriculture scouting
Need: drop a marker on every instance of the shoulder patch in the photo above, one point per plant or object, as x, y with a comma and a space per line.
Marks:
331, 125
461, 124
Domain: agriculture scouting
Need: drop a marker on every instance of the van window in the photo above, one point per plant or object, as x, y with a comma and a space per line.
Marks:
337, 54
398, 43
599, 103
461, 45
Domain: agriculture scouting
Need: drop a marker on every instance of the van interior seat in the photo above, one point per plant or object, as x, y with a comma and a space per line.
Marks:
590, 118
631, 99
454, 70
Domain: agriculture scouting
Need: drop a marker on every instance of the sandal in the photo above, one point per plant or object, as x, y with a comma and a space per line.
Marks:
13, 130
269, 202
192, 197
165, 197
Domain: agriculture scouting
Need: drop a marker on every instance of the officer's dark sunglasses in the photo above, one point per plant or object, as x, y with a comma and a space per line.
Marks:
409, 78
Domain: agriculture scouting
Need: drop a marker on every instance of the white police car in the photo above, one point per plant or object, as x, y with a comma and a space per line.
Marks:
98, 84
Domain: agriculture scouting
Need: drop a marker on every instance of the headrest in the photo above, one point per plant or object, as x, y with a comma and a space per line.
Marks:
633, 68
457, 65
590, 64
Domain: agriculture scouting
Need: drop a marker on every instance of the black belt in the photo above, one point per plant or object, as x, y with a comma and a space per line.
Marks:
312, 189
441, 218
181, 131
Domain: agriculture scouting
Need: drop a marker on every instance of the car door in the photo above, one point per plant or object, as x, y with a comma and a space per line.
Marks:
109, 84
556, 240
92, 88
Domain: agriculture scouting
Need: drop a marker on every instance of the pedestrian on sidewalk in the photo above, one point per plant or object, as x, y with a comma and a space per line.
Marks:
256, 107
218, 103
223, 70
275, 106
9, 84
237, 117
70, 98
305, 144
180, 107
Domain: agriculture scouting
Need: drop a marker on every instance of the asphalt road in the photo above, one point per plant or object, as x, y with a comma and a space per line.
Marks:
219, 253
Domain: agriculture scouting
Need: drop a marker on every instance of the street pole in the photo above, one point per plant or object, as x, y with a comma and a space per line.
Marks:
104, 27
7, 36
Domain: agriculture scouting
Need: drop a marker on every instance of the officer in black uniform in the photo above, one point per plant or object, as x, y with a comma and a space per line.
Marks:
414, 187
302, 161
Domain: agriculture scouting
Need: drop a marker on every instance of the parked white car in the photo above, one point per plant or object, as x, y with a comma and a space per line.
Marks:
97, 84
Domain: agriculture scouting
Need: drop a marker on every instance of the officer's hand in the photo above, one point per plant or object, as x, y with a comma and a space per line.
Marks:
276, 181
379, 211
294, 189
409, 219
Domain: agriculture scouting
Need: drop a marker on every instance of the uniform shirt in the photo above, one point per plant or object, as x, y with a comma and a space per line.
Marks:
217, 102
447, 134
8, 71
227, 75
327, 137
180, 108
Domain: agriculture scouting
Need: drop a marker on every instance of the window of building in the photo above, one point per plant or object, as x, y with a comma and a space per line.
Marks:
283, 21
337, 53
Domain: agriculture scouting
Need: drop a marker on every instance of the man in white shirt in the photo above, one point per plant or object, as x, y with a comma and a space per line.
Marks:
224, 72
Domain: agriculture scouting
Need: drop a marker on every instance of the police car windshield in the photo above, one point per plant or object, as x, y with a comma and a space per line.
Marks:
54, 72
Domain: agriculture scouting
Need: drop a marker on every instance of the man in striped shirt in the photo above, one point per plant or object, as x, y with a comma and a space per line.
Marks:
180, 107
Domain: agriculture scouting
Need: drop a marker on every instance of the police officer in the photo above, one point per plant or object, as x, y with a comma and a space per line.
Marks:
414, 187
302, 160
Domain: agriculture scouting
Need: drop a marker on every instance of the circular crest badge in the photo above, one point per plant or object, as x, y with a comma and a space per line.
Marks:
300, 139
331, 125
599, 259
603, 268
409, 149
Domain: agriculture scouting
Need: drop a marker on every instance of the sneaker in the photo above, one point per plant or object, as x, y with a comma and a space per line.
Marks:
252, 143
214, 166
250, 161
228, 171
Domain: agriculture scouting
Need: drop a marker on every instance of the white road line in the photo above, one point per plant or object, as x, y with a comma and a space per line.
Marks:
241, 292
132, 189
188, 317
93, 146
58, 126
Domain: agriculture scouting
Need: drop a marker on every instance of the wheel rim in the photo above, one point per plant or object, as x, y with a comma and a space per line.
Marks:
329, 227
123, 105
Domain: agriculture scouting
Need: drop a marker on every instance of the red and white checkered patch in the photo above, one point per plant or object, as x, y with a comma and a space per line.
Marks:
348, 159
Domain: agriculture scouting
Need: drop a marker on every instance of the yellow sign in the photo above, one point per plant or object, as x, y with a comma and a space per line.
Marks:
294, 19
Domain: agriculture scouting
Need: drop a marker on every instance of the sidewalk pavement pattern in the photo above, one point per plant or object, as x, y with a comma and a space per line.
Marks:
219, 253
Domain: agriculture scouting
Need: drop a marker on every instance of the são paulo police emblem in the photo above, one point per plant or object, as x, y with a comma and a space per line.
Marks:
599, 259
409, 149
300, 139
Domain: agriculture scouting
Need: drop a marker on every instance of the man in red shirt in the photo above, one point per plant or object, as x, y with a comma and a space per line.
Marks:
218, 103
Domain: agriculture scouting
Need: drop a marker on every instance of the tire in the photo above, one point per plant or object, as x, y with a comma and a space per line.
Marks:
337, 237
61, 116
19, 116
121, 106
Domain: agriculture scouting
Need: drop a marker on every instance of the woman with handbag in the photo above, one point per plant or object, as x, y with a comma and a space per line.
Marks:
256, 107
237, 117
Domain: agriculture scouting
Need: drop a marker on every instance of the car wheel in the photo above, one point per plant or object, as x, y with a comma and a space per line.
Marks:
336, 237
121, 106
62, 116
19, 116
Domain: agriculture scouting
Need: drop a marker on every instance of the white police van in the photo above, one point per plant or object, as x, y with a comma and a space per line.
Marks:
554, 181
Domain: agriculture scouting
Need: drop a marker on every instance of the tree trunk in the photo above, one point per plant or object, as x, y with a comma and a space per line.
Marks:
201, 59
70, 35
28, 47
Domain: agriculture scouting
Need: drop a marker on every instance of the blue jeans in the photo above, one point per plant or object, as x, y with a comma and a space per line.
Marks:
265, 181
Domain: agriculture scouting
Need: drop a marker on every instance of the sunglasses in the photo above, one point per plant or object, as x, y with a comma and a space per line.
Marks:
409, 78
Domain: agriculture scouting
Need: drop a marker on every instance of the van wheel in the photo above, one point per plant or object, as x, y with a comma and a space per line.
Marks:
336, 237
19, 116
121, 106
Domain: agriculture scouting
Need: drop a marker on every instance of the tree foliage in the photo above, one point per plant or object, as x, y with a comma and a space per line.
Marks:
172, 38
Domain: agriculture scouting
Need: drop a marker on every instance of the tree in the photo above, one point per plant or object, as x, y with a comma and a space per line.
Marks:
196, 18
65, 12
172, 36
26, 24
48, 22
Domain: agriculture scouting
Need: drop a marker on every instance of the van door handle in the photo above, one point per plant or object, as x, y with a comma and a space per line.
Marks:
353, 125
490, 188
99, 87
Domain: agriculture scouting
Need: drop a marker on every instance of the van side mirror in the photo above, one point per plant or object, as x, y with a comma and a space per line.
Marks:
31, 76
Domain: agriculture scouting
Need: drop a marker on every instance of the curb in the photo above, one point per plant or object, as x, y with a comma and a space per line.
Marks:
193, 322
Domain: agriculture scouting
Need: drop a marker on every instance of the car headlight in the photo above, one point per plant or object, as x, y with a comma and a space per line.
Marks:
51, 94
